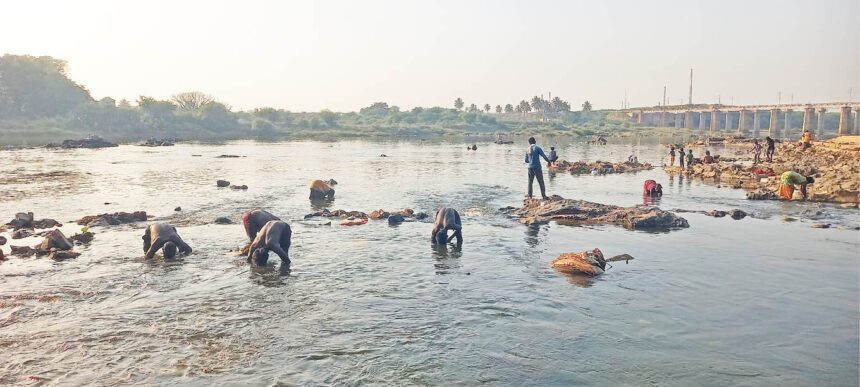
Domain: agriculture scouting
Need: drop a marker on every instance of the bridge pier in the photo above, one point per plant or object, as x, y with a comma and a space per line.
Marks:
808, 118
742, 121
688, 120
845, 125
678, 120
857, 122
703, 119
715, 120
787, 123
728, 122
772, 128
640, 118
756, 123
664, 117
819, 128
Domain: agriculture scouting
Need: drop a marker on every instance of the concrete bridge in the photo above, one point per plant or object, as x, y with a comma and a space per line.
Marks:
749, 119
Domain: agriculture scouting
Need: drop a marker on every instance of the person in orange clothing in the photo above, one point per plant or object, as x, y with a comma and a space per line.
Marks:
806, 140
789, 179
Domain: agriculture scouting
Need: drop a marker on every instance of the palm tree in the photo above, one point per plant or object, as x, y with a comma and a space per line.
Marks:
498, 109
473, 108
509, 108
586, 106
537, 103
525, 107
487, 107
458, 103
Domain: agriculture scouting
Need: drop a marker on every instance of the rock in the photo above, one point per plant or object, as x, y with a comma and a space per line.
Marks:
21, 234
84, 238
336, 214
379, 214
602, 167
227, 157
55, 240
396, 219
239, 187
46, 223
113, 219
177, 209
25, 220
2, 257
89, 142
159, 142
421, 216
622, 257
716, 213
23, 251
821, 225
580, 212
848, 205
587, 262
737, 214
222, 183
383, 155
762, 194
223, 220
62, 255
407, 212
2, 240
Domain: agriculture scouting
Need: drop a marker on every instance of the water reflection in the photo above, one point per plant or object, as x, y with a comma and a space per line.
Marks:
447, 258
321, 204
271, 275
580, 280
532, 232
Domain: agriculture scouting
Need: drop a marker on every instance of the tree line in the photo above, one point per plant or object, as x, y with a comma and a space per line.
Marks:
538, 104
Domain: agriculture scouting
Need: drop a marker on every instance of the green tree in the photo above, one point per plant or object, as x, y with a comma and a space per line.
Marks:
537, 104
35, 87
155, 114
586, 106
525, 107
559, 105
498, 109
328, 117
473, 108
486, 108
268, 113
458, 103
509, 108
217, 116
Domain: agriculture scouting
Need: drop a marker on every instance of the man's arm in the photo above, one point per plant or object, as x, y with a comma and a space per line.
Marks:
146, 241
183, 247
281, 253
154, 248
541, 154
457, 234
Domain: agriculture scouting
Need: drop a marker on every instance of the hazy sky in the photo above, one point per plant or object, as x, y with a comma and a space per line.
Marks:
342, 55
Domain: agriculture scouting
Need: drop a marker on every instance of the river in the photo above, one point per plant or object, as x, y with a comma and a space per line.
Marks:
766, 300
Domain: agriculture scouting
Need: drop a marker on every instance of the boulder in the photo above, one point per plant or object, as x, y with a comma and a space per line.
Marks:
46, 223
379, 214
222, 183
589, 263
622, 257
737, 214
239, 187
396, 219
223, 220
821, 225
83, 238
336, 214
89, 143
62, 255
21, 234
113, 219
2, 240
23, 251
421, 216
716, 213
55, 239
177, 209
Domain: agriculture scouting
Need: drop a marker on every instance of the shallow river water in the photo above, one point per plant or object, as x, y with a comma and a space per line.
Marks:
760, 301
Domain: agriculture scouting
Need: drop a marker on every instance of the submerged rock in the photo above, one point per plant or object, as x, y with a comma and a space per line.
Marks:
716, 213
379, 214
821, 225
25, 220
62, 255
177, 209
223, 220
158, 142
113, 219
222, 183
83, 238
21, 234
89, 142
239, 187
737, 214
2, 240
580, 212
589, 263
396, 219
336, 214
622, 257
227, 157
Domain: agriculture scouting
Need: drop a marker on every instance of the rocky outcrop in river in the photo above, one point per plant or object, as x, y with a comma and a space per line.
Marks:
580, 212
112, 219
89, 142
25, 220
602, 167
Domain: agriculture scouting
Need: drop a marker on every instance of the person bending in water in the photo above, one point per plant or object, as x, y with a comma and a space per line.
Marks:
162, 236
254, 220
274, 236
788, 180
321, 190
535, 170
553, 157
651, 188
447, 219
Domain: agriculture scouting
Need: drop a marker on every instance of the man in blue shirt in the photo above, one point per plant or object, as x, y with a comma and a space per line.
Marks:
535, 170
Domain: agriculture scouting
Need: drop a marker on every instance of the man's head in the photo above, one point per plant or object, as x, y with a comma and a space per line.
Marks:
810, 180
261, 256
658, 190
532, 140
169, 250
708, 153
552, 148
768, 138
442, 237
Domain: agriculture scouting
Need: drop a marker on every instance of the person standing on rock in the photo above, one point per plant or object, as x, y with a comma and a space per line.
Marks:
681, 157
162, 236
535, 170
274, 236
756, 149
788, 180
447, 219
770, 148
254, 221
671, 155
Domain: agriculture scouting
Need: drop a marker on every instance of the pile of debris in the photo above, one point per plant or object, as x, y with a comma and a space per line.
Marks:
600, 167
580, 212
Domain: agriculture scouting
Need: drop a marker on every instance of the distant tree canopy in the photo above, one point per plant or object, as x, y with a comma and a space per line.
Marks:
458, 103
33, 87
191, 100
586, 106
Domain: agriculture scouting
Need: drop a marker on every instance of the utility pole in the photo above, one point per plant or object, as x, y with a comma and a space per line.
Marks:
664, 95
690, 99
779, 98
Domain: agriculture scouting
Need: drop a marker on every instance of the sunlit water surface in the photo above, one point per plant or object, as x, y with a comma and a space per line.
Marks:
758, 301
